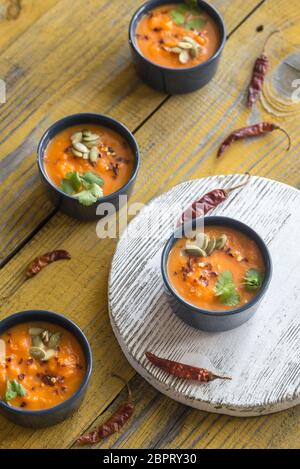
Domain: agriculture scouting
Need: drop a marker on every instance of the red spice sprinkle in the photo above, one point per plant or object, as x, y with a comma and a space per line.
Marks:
21, 376
23, 404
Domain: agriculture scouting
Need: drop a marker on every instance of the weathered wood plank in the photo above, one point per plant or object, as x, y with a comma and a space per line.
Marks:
203, 110
17, 16
73, 69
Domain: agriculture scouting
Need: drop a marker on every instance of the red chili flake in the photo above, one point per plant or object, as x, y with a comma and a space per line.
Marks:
21, 376
157, 30
20, 361
260, 70
113, 424
208, 202
23, 404
250, 131
121, 159
42, 261
9, 359
180, 370
29, 361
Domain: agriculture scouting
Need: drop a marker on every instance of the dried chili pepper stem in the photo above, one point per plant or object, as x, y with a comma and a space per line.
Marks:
114, 423
259, 73
181, 370
250, 131
239, 186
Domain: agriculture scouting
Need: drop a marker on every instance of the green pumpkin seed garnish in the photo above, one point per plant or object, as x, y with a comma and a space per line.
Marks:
77, 137
35, 331
185, 45
54, 340
184, 57
91, 137
36, 341
77, 153
211, 246
86, 132
221, 241
38, 353
175, 50
94, 154
194, 250
78, 146
49, 354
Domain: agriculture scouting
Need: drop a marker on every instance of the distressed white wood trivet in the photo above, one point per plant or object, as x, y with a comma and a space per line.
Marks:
263, 355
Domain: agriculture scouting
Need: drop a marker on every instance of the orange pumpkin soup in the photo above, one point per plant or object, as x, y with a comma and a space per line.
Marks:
79, 151
43, 365
177, 36
219, 270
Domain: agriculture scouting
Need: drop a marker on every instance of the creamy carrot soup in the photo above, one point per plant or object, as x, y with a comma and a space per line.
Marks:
43, 365
219, 270
177, 36
85, 150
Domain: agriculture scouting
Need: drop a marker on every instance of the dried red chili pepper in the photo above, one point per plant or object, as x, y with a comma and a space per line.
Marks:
209, 201
260, 70
254, 130
42, 261
180, 370
113, 424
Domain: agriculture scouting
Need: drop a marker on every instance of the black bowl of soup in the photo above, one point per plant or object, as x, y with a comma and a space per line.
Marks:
45, 368
217, 274
87, 162
176, 48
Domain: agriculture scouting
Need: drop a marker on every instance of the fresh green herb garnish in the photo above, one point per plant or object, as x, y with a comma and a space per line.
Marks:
14, 389
187, 15
177, 17
90, 182
253, 279
226, 289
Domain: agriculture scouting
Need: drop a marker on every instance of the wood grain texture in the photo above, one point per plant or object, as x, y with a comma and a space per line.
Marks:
111, 86
262, 355
82, 63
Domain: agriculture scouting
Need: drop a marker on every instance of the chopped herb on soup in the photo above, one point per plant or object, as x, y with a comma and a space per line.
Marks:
219, 269
177, 35
88, 162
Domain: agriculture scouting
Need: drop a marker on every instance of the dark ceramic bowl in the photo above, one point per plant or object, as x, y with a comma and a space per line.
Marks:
216, 321
68, 204
54, 415
175, 80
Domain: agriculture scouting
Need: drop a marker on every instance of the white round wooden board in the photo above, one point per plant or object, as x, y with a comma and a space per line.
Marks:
263, 355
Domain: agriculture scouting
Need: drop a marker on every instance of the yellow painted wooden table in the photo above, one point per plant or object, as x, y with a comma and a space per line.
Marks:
59, 57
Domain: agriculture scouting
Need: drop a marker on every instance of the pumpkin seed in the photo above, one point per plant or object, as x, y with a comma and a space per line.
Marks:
77, 137
91, 137
206, 241
184, 57
54, 340
194, 52
36, 341
37, 352
92, 144
221, 241
77, 153
49, 354
35, 331
80, 147
86, 132
94, 154
193, 250
211, 246
200, 239
85, 156
191, 41
175, 50
185, 45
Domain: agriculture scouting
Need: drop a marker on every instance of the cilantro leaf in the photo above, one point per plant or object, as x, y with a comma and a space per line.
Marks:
86, 198
177, 17
71, 183
183, 8
92, 178
67, 187
14, 389
196, 23
96, 190
226, 289
253, 279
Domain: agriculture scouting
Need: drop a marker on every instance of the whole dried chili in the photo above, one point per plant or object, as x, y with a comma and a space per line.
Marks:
180, 370
260, 70
208, 202
254, 130
42, 261
113, 424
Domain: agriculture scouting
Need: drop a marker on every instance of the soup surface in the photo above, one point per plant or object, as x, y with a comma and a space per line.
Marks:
114, 163
222, 280
33, 383
176, 36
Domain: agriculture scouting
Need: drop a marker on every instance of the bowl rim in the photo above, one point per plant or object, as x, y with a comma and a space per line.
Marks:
239, 226
83, 116
52, 317
208, 6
